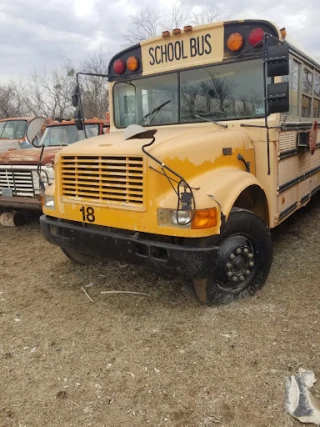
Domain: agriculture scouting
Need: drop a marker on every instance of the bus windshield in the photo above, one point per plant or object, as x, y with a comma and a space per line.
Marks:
13, 129
220, 92
67, 134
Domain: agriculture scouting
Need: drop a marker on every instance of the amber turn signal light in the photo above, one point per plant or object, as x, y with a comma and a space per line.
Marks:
205, 218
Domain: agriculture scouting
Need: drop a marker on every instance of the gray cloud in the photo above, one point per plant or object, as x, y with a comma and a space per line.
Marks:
37, 34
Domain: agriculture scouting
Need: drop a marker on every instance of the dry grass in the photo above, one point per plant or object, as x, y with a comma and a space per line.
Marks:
158, 360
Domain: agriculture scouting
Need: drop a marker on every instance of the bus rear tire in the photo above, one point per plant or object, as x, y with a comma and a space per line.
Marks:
245, 258
79, 257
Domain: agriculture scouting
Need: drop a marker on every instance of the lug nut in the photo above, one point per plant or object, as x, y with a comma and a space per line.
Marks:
229, 273
247, 272
246, 250
251, 264
239, 251
235, 279
232, 256
229, 265
241, 278
250, 256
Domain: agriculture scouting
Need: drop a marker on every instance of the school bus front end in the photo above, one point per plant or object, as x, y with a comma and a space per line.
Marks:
185, 193
120, 205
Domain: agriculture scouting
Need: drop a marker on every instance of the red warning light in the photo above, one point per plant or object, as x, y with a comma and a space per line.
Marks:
119, 66
256, 37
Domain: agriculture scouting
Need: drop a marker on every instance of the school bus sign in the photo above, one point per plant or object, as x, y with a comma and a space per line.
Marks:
196, 46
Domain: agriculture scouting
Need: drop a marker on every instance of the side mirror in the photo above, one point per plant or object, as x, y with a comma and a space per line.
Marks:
278, 97
76, 96
34, 131
76, 102
277, 59
277, 64
78, 118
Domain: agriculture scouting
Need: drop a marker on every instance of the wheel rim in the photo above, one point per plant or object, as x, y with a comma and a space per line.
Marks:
237, 264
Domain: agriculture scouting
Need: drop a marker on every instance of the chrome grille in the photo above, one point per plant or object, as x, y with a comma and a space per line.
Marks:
19, 181
117, 180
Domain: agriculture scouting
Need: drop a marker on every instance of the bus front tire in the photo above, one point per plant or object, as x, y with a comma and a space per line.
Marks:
245, 257
79, 257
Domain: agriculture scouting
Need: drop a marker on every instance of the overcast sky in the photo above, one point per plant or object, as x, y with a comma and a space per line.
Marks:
35, 34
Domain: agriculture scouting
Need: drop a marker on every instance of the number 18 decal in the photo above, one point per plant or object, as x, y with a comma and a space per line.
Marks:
87, 214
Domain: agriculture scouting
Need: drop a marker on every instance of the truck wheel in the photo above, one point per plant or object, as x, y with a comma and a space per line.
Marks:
79, 257
245, 258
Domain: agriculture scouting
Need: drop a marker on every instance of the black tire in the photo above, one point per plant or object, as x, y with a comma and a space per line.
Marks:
245, 258
79, 257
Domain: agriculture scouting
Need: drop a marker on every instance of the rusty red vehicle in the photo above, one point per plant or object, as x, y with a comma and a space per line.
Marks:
21, 132
22, 171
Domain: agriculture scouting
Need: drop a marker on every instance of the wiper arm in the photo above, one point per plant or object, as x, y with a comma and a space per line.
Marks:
155, 110
211, 121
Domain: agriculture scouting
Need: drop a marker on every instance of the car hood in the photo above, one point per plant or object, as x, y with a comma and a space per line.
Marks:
29, 156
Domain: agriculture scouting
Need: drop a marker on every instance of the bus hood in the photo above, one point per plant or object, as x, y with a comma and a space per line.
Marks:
29, 156
196, 143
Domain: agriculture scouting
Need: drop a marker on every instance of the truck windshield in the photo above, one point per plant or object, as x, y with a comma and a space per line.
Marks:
13, 129
67, 134
220, 92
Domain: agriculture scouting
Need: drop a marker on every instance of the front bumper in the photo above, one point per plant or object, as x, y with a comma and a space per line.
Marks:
18, 202
189, 261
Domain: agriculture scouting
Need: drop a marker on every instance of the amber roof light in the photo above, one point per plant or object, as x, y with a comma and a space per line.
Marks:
235, 42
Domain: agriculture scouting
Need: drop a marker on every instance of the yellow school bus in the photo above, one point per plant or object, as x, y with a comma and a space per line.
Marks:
213, 142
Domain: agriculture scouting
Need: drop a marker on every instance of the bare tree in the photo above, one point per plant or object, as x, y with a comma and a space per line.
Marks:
49, 93
177, 16
11, 104
150, 23
205, 15
143, 26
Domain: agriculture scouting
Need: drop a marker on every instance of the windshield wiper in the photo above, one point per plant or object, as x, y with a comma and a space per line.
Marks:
155, 110
211, 121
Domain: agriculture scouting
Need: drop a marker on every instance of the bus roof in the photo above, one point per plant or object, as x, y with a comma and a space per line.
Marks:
193, 46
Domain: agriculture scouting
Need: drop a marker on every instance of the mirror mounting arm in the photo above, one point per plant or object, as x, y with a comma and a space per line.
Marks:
77, 101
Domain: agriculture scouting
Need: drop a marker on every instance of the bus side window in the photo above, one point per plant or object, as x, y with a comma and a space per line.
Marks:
307, 83
294, 87
316, 99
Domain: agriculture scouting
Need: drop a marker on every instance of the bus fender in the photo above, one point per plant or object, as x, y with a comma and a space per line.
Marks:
225, 186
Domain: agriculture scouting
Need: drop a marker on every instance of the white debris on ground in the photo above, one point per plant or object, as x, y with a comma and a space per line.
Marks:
299, 401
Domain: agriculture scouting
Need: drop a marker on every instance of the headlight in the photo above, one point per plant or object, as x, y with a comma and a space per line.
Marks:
49, 202
180, 217
172, 217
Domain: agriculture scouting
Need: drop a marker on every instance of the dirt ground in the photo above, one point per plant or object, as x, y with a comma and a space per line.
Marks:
160, 359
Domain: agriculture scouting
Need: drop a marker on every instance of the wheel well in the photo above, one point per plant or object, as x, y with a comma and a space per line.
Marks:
254, 200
